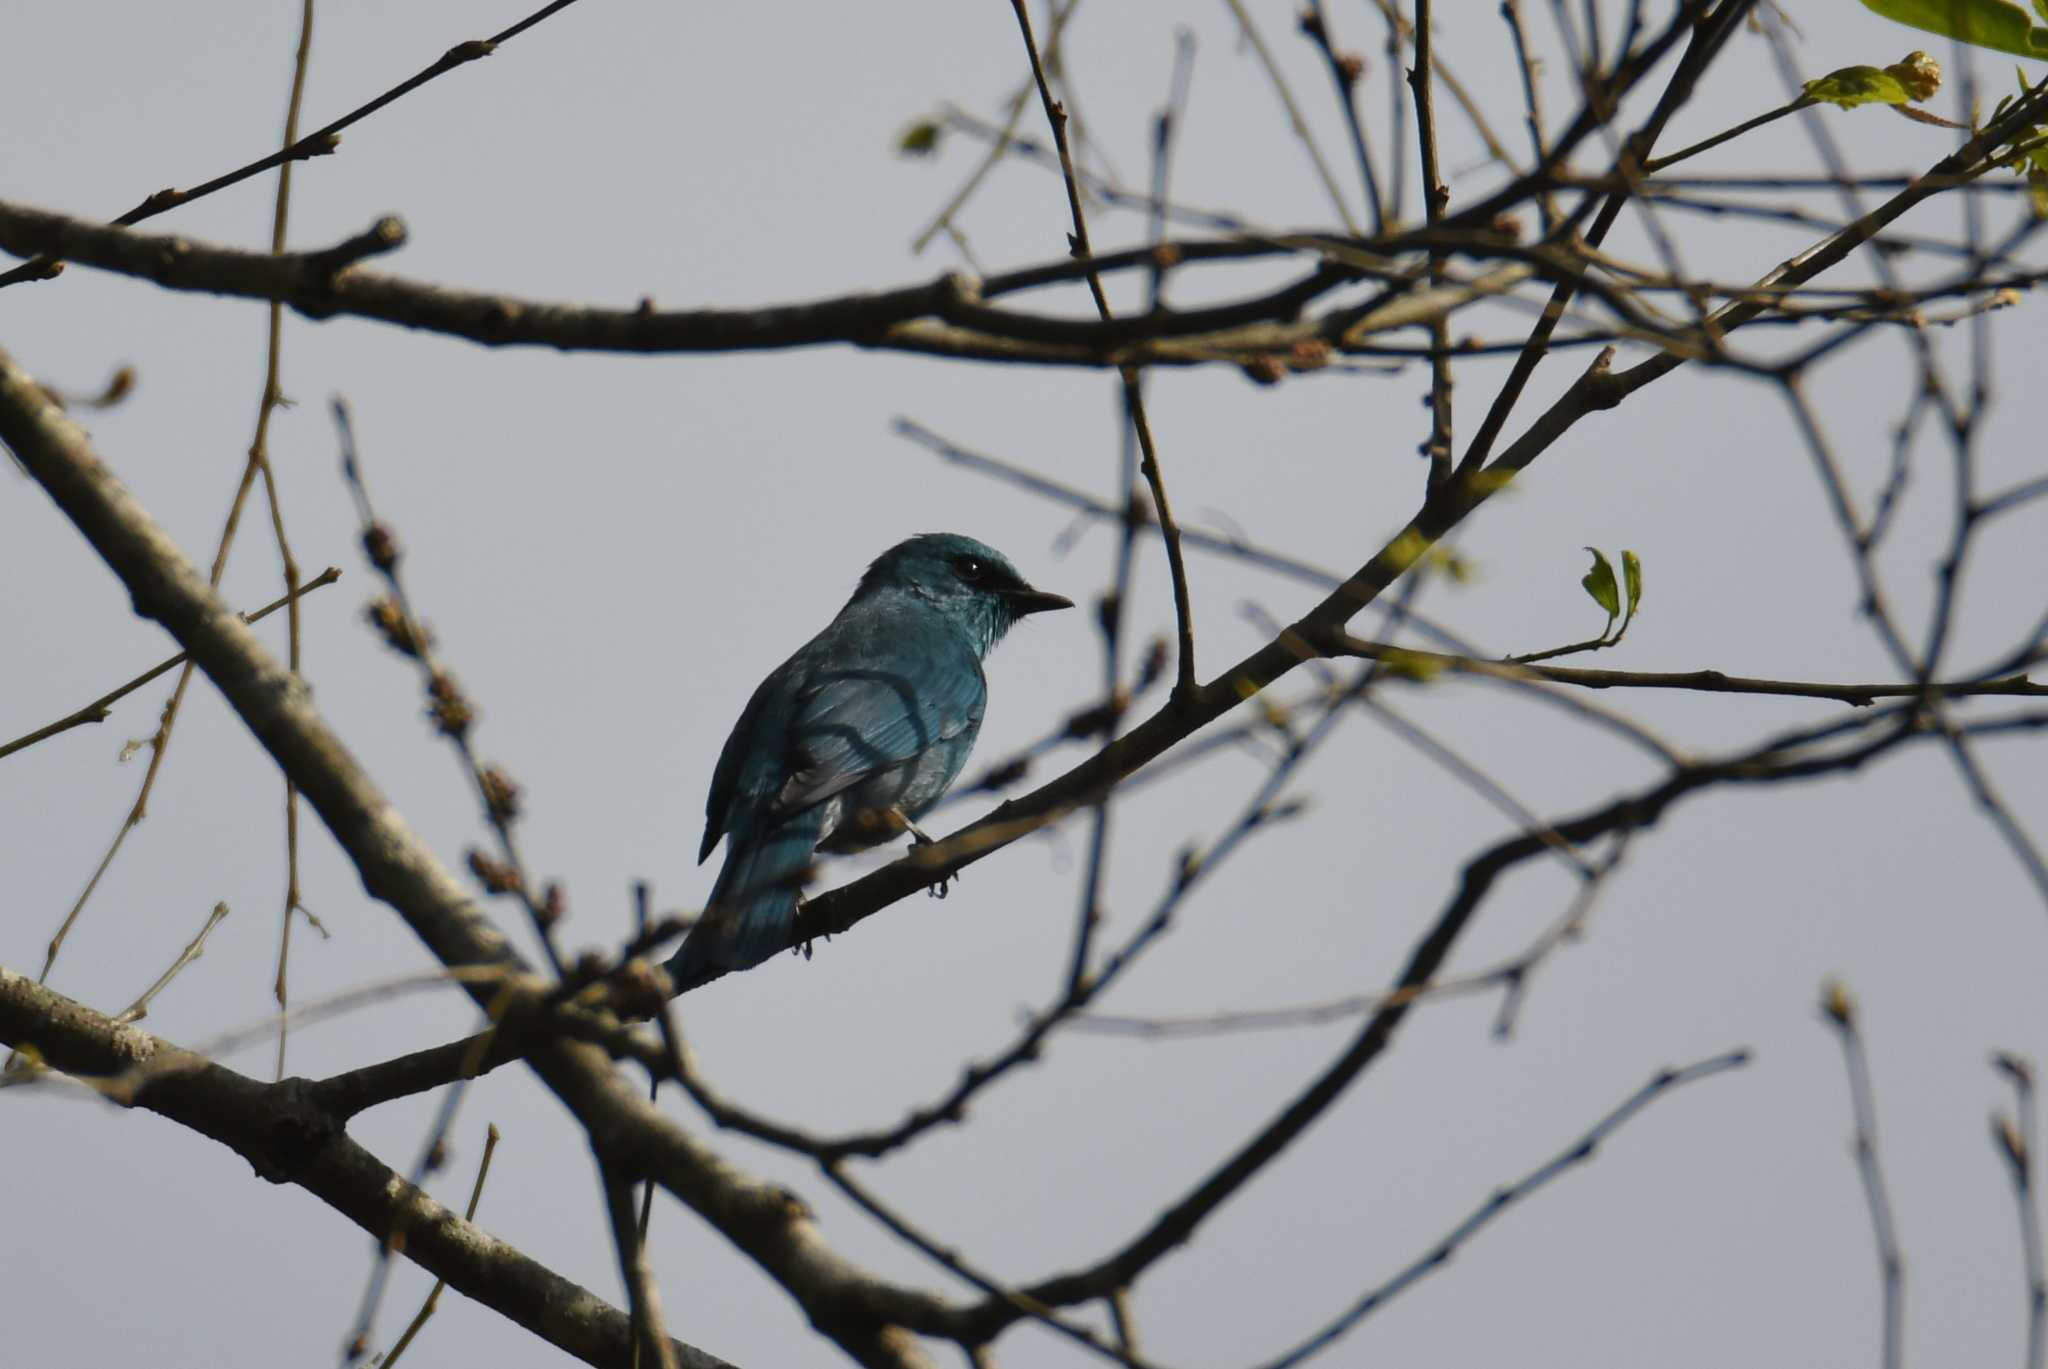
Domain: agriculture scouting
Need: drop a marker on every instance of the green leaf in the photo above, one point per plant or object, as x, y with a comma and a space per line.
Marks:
1599, 583
1996, 24
921, 139
1632, 580
2029, 154
1853, 86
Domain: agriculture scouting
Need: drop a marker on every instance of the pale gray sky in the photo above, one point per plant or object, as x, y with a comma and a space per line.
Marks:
615, 550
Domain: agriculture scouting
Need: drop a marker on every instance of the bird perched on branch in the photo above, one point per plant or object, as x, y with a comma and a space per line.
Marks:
850, 740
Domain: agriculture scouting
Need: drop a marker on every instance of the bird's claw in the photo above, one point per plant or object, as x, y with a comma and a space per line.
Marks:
918, 837
802, 948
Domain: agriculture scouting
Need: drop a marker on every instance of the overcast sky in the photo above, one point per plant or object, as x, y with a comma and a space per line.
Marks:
615, 550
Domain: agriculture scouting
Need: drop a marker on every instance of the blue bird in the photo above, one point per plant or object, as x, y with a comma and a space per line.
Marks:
850, 740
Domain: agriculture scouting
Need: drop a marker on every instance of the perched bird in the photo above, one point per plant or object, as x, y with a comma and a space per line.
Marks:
847, 742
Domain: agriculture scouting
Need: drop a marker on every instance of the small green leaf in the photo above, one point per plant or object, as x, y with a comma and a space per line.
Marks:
1853, 86
1632, 580
921, 139
2029, 153
1599, 583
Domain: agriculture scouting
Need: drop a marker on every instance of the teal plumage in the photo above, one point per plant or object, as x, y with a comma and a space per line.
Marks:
852, 738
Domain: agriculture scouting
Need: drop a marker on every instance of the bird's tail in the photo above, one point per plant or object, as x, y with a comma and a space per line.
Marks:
752, 908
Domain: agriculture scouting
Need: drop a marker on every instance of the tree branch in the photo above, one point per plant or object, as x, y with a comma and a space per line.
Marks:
863, 1314
318, 143
288, 1139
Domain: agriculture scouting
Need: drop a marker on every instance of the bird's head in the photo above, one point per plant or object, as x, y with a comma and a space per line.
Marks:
970, 582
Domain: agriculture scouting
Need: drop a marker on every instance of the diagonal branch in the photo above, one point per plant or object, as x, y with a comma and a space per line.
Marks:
1788, 757
1501, 1199
288, 1139
318, 143
863, 1314
98, 709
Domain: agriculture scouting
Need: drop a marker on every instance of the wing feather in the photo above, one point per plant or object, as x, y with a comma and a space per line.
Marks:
853, 724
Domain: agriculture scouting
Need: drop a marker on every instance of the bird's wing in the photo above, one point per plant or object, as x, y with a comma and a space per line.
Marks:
726, 779
861, 721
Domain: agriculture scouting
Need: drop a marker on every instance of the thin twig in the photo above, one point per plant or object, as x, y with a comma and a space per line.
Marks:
98, 710
943, 221
2017, 1138
451, 710
1840, 1011
1295, 120
1501, 1199
951, 1260
1436, 197
1426, 663
194, 948
319, 142
476, 1193
1134, 404
1709, 33
258, 462
1532, 100
259, 455
1656, 164
649, 1335
1347, 72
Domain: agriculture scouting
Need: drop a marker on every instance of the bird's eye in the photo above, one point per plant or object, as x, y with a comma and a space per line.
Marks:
970, 568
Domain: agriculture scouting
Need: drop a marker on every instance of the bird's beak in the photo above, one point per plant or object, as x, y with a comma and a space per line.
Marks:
1023, 601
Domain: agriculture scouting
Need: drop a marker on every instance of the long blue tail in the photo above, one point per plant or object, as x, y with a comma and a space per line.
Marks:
752, 908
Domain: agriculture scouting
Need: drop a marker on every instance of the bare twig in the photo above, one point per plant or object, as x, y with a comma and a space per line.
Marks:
1295, 120
1090, 915
1501, 1199
195, 948
1436, 197
476, 1193
450, 709
1347, 72
98, 710
258, 463
259, 460
2016, 1138
1840, 1011
319, 142
1700, 681
649, 1334
943, 221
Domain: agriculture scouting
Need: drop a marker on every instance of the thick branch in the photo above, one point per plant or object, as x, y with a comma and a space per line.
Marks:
1187, 713
1780, 759
944, 317
288, 1139
864, 1315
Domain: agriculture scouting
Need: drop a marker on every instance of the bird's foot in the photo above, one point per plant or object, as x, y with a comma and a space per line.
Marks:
802, 948
918, 837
